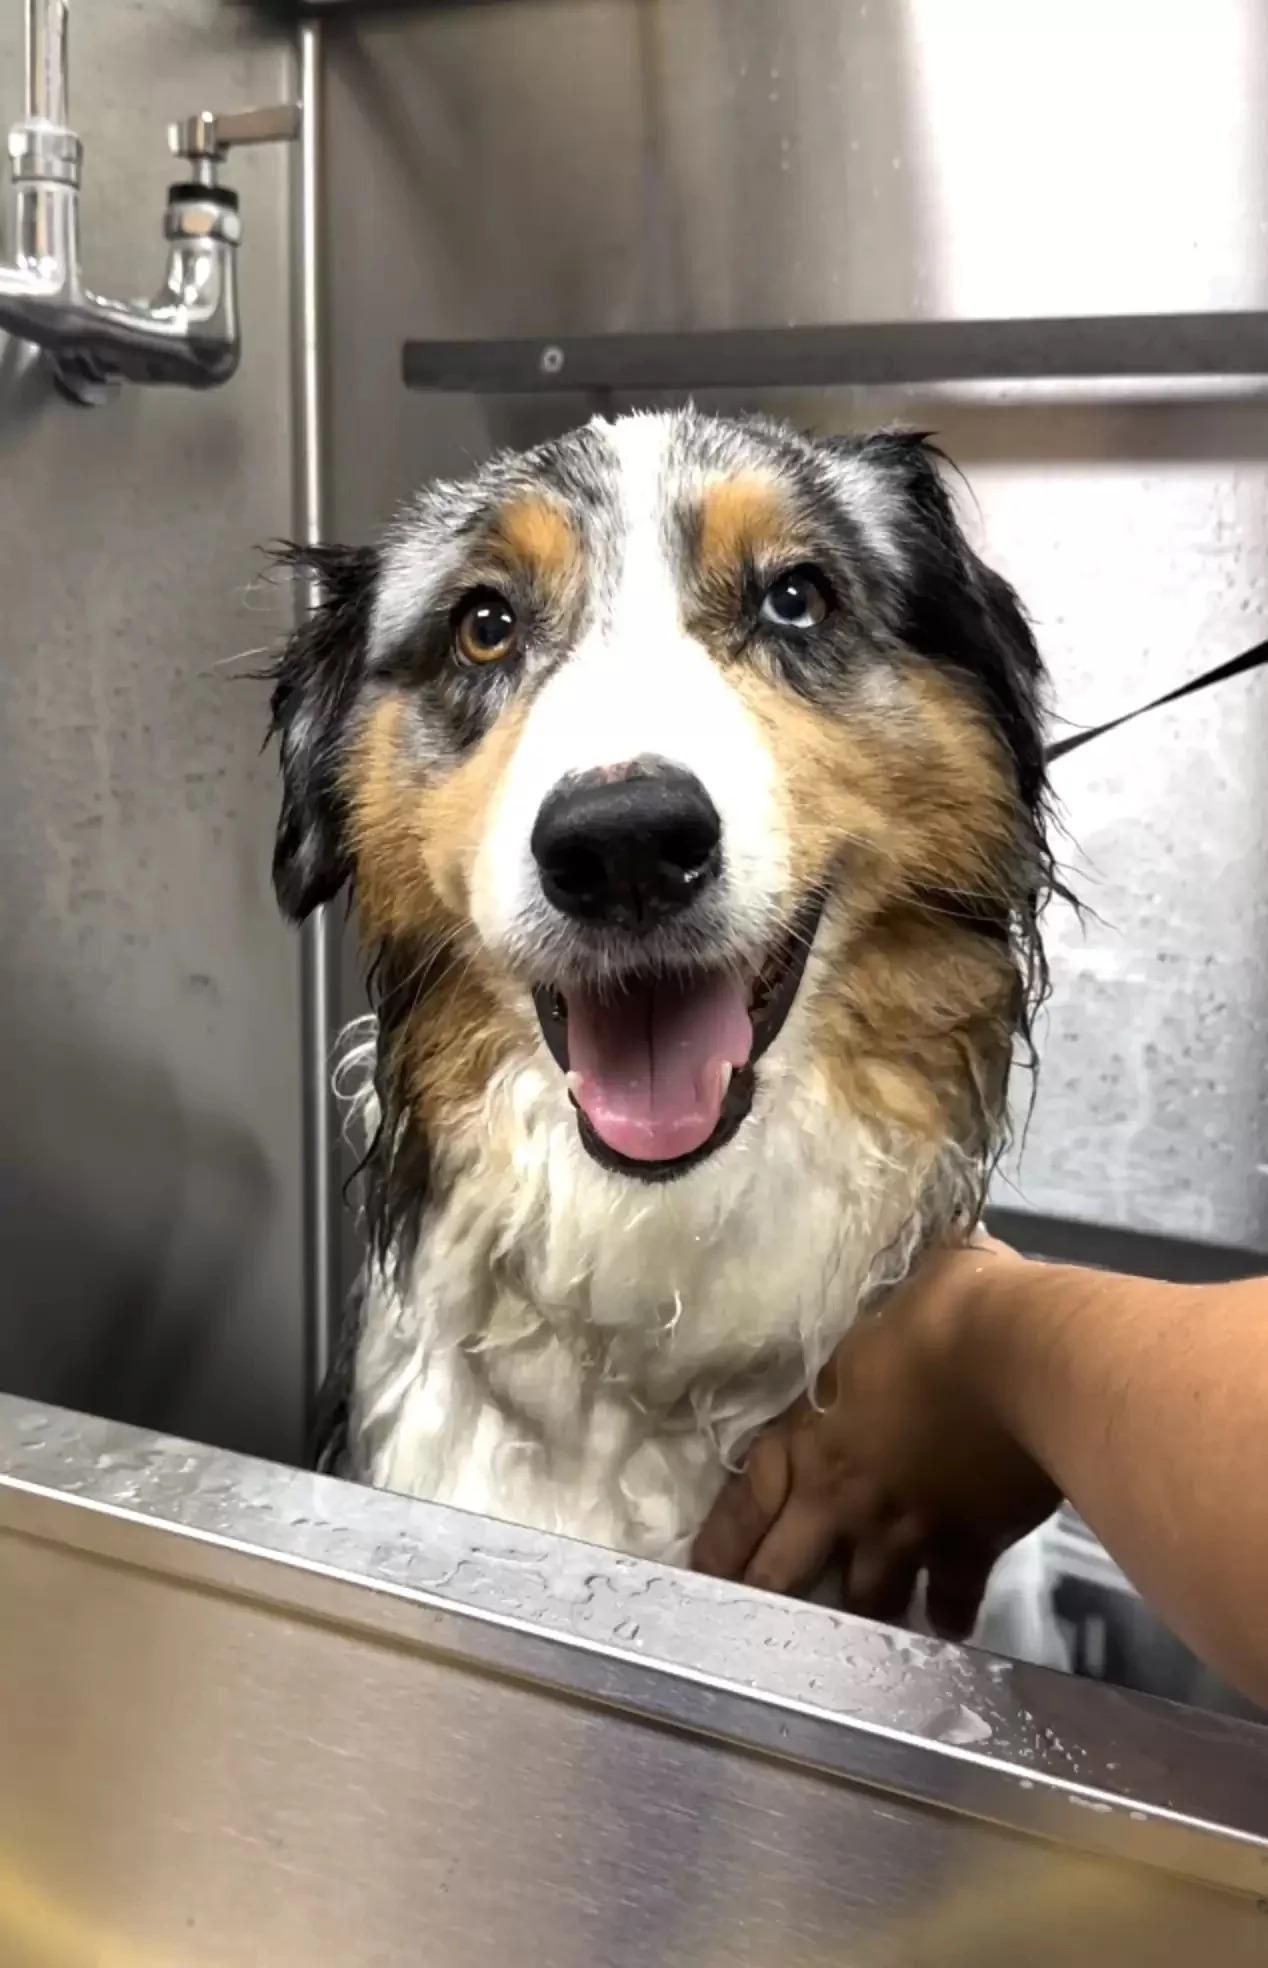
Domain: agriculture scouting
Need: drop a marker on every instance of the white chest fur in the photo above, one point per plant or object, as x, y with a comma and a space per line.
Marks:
585, 1353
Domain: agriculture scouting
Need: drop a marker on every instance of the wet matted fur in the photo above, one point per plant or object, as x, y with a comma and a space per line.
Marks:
569, 1317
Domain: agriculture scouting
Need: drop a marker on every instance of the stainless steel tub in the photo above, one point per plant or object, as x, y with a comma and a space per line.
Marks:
249, 1715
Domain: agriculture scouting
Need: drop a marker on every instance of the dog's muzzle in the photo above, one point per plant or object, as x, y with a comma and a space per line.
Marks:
659, 1047
629, 847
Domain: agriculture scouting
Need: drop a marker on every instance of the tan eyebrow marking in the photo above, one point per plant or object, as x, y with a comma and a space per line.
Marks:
743, 519
534, 533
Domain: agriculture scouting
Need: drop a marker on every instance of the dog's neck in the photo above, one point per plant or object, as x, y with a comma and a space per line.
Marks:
583, 1352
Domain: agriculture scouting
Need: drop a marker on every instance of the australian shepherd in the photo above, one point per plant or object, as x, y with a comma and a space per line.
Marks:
687, 777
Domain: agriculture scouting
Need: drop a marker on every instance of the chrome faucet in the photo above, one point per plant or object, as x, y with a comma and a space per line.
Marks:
189, 332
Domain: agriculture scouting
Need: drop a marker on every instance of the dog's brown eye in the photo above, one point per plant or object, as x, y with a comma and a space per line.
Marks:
485, 629
799, 599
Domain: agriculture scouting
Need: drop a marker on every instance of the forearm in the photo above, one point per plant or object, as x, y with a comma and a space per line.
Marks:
1148, 1406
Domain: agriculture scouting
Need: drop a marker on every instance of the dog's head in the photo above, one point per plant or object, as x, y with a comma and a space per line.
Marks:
615, 736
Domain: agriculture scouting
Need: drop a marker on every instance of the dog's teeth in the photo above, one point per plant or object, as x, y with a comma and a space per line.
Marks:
573, 1083
725, 1072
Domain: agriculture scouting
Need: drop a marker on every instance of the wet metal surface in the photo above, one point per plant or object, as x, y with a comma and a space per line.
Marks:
1084, 1765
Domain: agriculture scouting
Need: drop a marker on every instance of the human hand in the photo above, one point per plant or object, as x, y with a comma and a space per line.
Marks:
900, 1467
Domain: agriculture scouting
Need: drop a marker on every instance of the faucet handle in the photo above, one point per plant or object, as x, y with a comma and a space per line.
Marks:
209, 137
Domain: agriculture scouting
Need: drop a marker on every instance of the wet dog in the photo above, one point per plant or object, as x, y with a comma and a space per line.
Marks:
687, 777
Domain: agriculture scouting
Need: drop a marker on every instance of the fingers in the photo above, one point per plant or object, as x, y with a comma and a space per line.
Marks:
795, 1551
773, 1535
881, 1581
956, 1588
745, 1511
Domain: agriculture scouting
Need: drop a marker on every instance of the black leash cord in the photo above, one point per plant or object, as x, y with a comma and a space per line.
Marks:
1250, 659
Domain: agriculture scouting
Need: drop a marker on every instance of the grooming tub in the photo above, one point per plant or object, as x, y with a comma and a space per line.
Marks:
252, 1715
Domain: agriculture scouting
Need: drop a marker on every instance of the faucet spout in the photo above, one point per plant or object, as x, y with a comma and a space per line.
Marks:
188, 333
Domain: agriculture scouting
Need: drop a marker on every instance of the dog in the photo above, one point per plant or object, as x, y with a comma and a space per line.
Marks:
687, 777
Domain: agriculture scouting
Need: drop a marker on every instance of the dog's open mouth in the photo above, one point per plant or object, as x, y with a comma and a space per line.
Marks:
661, 1070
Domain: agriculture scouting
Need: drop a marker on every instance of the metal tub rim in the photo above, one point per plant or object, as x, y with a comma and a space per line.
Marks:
1086, 1766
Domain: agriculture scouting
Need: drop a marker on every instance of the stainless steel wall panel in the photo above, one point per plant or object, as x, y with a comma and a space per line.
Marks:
149, 1129
541, 167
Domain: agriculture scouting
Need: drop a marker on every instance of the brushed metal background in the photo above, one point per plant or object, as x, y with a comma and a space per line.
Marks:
149, 1126
543, 166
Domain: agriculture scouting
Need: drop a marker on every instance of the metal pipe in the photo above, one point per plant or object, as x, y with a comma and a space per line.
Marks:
319, 947
48, 60
189, 332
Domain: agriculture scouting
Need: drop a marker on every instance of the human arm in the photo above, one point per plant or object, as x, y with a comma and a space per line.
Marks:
987, 1387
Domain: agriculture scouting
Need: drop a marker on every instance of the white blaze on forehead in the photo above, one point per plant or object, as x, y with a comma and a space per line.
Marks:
638, 685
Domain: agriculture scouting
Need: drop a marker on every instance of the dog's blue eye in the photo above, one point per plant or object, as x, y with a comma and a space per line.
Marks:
799, 599
485, 629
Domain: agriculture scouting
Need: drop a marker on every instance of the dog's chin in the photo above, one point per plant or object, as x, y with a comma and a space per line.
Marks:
770, 998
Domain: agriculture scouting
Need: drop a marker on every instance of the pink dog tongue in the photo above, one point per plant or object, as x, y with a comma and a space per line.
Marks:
651, 1061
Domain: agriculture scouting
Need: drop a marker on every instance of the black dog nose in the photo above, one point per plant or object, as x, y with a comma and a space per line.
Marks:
627, 846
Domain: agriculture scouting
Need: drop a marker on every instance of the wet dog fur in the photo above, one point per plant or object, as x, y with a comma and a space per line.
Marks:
548, 1331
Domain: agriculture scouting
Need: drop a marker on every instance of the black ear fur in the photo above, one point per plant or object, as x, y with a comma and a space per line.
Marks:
315, 681
957, 610
960, 611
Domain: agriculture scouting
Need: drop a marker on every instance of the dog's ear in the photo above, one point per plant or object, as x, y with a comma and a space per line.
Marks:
958, 610
954, 609
315, 682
